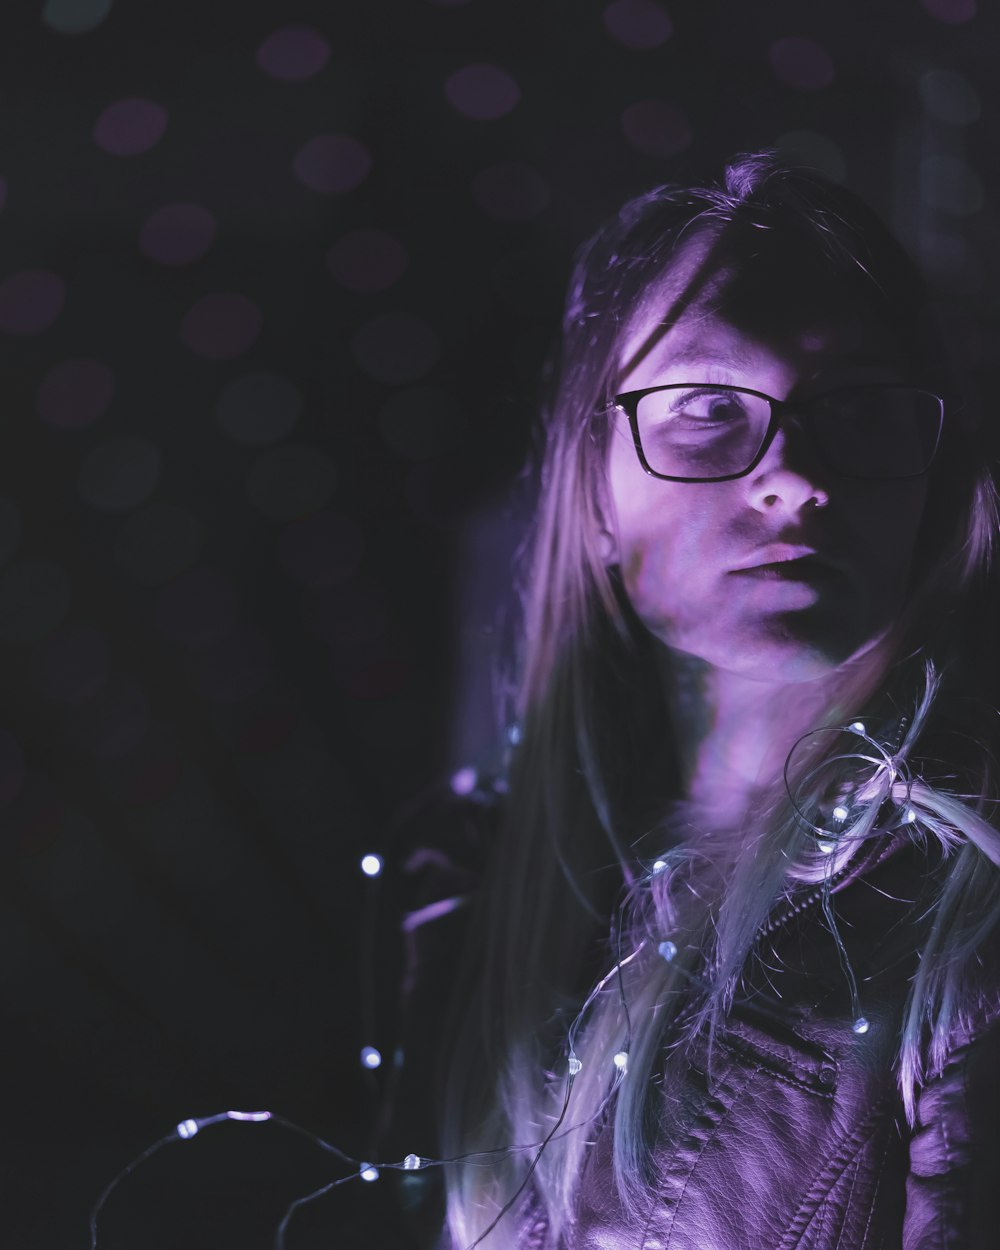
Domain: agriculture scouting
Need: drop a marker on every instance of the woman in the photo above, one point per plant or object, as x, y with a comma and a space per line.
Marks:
737, 980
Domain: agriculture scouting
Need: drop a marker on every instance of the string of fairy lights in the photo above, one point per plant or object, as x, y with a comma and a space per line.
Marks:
853, 816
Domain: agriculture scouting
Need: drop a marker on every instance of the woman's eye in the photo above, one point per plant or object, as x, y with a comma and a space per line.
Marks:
714, 406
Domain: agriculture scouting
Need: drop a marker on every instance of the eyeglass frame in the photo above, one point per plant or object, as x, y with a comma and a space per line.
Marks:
628, 402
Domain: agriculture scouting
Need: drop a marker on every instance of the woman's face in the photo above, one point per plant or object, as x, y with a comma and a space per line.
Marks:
785, 573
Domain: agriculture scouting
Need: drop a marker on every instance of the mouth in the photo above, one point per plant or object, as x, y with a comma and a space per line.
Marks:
808, 568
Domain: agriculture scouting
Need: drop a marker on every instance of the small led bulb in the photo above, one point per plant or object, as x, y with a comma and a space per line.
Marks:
668, 950
621, 1061
412, 1162
368, 1173
659, 865
514, 734
371, 865
253, 1117
371, 1058
840, 812
860, 1025
910, 816
187, 1128
575, 1065
826, 847
858, 727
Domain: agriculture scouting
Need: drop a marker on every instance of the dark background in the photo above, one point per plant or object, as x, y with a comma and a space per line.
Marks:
276, 286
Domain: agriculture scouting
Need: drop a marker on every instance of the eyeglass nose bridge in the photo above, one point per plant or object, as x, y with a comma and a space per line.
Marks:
785, 413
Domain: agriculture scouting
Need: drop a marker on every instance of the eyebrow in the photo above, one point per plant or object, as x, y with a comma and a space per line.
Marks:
692, 354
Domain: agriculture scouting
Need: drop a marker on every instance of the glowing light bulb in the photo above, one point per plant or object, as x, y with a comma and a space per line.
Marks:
187, 1128
371, 865
575, 1065
910, 816
254, 1117
368, 1173
840, 813
621, 1061
464, 781
858, 727
371, 1058
668, 950
412, 1162
514, 734
860, 1025
826, 847
659, 865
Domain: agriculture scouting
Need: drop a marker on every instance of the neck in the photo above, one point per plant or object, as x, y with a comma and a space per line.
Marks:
733, 735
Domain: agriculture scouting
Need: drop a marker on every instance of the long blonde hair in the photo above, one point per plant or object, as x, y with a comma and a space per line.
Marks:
594, 731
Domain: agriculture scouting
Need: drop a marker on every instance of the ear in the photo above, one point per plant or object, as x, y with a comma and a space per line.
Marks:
607, 547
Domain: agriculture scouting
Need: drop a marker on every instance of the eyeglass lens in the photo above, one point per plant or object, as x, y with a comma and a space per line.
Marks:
715, 431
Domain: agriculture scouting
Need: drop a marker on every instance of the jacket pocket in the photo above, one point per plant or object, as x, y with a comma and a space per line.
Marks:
771, 1044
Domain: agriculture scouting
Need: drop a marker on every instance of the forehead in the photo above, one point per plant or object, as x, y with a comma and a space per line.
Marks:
709, 309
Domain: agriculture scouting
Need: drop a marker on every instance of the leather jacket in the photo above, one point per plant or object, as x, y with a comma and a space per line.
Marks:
794, 1137
797, 1140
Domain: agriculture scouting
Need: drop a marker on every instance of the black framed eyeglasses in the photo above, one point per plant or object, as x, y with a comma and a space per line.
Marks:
703, 432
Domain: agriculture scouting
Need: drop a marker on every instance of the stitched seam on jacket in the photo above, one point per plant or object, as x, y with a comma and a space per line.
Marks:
785, 1077
828, 1177
871, 1208
711, 1137
847, 1204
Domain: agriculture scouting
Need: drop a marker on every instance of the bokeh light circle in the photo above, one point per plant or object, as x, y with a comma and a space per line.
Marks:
293, 53
119, 473
482, 92
366, 260
74, 393
75, 17
801, 63
30, 301
198, 609
290, 481
421, 423
656, 128
158, 542
951, 11
332, 164
35, 596
949, 184
130, 127
510, 192
12, 769
221, 326
395, 348
807, 147
73, 665
950, 97
177, 234
322, 550
637, 24
258, 408
10, 528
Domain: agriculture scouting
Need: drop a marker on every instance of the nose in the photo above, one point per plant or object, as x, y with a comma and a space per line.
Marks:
788, 478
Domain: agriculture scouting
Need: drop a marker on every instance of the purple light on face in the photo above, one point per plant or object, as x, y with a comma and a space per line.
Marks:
366, 260
656, 128
74, 393
510, 192
482, 92
130, 127
293, 53
637, 23
74, 665
221, 326
177, 234
11, 767
332, 164
395, 348
951, 11
321, 551
198, 609
75, 17
30, 301
801, 63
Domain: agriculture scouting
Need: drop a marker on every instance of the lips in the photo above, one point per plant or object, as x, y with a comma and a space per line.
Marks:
787, 562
